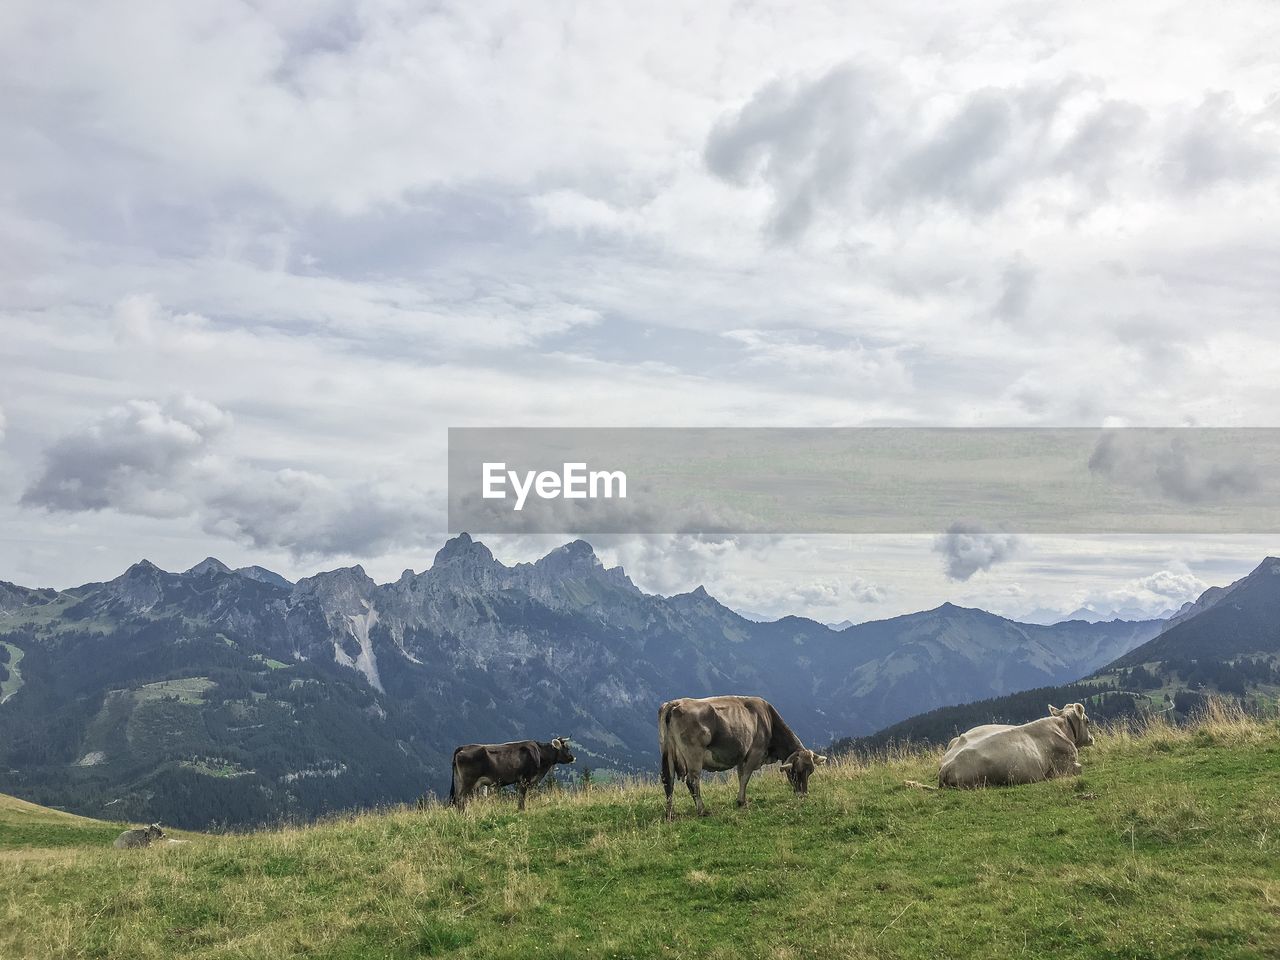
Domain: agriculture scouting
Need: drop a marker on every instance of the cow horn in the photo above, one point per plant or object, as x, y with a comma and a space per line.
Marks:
786, 766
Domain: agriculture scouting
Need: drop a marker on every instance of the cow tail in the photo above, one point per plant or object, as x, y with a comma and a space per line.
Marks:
668, 746
453, 776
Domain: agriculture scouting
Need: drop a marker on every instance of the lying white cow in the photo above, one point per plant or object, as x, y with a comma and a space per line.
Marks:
998, 754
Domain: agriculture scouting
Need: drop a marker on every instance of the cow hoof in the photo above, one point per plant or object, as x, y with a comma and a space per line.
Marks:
704, 813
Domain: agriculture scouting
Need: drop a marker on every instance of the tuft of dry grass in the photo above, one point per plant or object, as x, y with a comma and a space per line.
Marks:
1220, 721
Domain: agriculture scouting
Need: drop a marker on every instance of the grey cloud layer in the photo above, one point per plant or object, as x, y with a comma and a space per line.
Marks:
160, 460
403, 219
1175, 467
854, 140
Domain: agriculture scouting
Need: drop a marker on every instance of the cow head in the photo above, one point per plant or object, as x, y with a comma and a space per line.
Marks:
799, 766
1077, 721
154, 832
561, 746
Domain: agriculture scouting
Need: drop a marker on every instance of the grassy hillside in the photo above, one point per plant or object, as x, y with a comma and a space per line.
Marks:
1166, 847
24, 826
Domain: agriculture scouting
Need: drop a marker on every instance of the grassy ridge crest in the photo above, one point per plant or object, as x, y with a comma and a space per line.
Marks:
1165, 847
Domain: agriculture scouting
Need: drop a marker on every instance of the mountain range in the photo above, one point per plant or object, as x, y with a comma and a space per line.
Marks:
236, 696
1226, 642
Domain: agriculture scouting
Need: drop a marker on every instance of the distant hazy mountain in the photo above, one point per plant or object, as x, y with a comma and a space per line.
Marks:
235, 695
1092, 614
1227, 642
919, 661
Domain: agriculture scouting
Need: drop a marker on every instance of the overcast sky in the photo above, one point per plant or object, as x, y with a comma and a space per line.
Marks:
255, 258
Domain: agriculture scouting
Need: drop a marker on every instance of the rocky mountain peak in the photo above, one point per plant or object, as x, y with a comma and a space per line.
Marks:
462, 549
207, 565
140, 587
465, 562
576, 557
352, 574
700, 602
338, 589
577, 560
263, 575
143, 568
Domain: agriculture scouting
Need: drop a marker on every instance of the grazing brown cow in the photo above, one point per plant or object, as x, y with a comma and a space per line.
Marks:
524, 763
722, 732
998, 754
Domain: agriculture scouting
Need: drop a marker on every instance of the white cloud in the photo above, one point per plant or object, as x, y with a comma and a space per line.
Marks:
1179, 585
1217, 141
311, 516
136, 458
1150, 595
854, 141
159, 460
967, 549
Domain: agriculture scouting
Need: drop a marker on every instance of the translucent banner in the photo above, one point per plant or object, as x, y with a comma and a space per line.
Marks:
864, 480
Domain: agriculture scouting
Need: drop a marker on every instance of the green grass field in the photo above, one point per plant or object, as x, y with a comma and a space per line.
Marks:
1166, 847
29, 830
13, 683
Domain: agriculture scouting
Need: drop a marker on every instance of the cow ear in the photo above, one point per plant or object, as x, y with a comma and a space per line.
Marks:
1078, 710
1054, 711
819, 759
556, 743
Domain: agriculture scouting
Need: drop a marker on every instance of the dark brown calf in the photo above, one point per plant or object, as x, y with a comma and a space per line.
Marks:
523, 763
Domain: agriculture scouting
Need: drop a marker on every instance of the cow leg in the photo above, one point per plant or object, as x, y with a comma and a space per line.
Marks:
694, 781
524, 791
668, 787
464, 791
744, 775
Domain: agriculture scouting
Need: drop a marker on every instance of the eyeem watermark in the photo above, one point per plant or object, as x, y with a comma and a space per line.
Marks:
896, 480
573, 482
